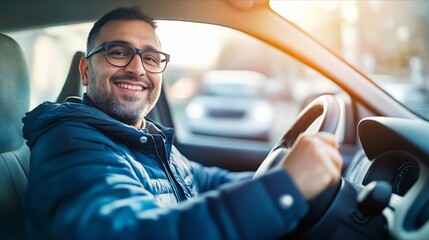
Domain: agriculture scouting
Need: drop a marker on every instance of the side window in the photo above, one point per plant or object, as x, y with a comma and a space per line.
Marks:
221, 83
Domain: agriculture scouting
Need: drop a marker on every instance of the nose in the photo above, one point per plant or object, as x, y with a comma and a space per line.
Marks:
135, 67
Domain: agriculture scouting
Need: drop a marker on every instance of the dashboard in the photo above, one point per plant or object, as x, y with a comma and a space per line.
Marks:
398, 150
398, 168
384, 194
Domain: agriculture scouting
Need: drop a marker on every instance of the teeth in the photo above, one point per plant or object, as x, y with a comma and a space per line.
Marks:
130, 87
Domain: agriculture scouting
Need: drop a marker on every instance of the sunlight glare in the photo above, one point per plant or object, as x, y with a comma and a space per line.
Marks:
304, 13
175, 41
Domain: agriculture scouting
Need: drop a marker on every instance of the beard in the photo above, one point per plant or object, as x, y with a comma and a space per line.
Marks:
109, 103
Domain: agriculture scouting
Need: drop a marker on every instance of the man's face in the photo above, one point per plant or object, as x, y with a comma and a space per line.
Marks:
125, 93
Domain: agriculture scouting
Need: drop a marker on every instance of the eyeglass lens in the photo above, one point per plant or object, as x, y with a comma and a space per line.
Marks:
121, 55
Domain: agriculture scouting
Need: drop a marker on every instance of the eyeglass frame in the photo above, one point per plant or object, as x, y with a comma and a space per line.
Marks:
105, 45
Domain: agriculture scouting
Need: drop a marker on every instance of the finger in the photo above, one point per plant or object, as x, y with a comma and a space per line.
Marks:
329, 144
335, 157
332, 171
332, 159
328, 138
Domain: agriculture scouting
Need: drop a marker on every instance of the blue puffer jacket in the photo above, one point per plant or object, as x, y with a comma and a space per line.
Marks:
93, 177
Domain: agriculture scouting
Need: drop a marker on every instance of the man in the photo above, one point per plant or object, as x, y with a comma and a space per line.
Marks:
99, 170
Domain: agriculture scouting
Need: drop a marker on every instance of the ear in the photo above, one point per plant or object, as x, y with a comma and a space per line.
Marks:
83, 69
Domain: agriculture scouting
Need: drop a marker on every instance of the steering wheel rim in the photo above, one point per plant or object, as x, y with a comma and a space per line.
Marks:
325, 108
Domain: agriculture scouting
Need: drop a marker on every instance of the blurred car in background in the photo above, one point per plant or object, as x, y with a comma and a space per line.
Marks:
231, 104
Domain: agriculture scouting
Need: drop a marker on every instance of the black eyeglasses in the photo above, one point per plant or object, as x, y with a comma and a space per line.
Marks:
120, 55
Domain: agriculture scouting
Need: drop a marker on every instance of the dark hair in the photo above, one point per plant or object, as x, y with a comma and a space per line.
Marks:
123, 13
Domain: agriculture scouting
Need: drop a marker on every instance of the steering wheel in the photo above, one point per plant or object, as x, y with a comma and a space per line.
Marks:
320, 115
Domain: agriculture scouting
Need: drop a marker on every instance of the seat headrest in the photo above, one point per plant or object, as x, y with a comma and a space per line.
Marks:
14, 93
72, 85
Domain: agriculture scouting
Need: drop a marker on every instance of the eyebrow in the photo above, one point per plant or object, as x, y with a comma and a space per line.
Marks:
146, 47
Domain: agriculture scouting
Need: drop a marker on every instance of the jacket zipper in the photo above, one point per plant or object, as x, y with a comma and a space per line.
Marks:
167, 172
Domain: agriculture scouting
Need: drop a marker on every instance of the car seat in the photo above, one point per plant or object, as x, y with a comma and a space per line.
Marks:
14, 154
72, 86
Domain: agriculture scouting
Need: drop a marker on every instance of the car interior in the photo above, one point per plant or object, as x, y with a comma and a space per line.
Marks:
385, 173
72, 85
15, 155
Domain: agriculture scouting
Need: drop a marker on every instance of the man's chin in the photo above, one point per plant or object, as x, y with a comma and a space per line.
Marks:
132, 106
127, 116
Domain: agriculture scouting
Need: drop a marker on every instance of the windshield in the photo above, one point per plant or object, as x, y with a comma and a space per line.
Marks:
386, 40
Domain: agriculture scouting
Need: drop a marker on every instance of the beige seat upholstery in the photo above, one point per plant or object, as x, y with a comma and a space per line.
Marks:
14, 154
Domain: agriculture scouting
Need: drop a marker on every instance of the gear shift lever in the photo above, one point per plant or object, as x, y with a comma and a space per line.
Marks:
372, 200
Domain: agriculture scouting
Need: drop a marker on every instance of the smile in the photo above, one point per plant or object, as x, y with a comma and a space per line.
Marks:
130, 87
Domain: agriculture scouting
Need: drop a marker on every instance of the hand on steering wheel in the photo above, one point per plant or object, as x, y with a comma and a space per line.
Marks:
313, 162
321, 115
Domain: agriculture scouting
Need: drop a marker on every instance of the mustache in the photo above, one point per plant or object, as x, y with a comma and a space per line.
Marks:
130, 77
